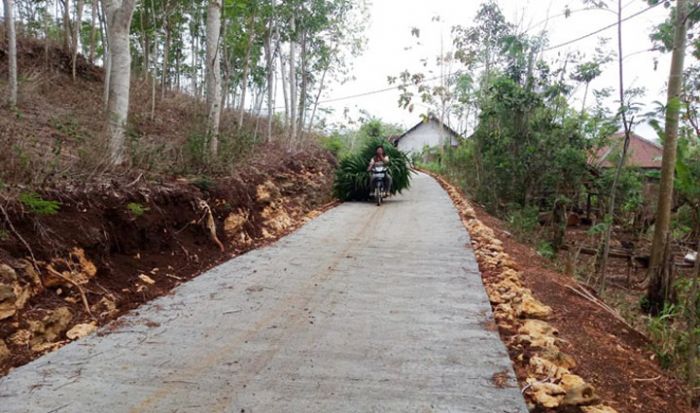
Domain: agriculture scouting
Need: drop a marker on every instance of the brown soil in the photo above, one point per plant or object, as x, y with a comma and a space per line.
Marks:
143, 225
612, 357
170, 242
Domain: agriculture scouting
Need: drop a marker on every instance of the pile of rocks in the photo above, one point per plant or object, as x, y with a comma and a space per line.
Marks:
534, 343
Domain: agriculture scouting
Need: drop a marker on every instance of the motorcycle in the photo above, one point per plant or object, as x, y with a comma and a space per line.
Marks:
378, 191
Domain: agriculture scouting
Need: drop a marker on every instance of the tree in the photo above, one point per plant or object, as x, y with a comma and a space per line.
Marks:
213, 68
11, 52
118, 20
657, 291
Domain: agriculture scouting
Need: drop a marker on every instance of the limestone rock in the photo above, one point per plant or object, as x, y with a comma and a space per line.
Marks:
233, 224
13, 295
530, 307
4, 351
547, 395
51, 327
546, 368
81, 330
77, 268
599, 408
578, 392
20, 337
557, 357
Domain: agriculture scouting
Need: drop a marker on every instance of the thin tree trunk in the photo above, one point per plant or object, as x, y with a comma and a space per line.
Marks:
107, 66
213, 67
93, 31
11, 52
66, 25
303, 88
585, 96
656, 292
292, 84
246, 70
620, 163
270, 59
119, 14
46, 37
76, 35
166, 59
283, 76
316, 99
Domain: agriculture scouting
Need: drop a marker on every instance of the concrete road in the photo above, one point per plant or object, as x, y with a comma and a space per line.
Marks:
364, 309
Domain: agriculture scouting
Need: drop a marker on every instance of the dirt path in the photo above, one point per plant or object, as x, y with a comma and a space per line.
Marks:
364, 309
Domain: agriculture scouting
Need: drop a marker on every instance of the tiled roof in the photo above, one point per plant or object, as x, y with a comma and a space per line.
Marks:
640, 154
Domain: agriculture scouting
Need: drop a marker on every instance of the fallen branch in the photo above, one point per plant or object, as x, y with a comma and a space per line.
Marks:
650, 379
78, 286
211, 224
590, 297
21, 239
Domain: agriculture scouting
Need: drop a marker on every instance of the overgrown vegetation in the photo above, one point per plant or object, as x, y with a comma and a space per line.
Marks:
538, 157
352, 179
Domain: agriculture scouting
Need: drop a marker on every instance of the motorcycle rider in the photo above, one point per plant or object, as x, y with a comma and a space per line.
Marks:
380, 159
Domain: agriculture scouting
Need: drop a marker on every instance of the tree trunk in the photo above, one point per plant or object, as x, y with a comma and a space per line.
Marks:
166, 59
270, 62
283, 76
692, 325
292, 85
246, 70
11, 52
66, 26
118, 14
93, 31
47, 19
76, 35
303, 88
602, 269
213, 68
316, 100
107, 66
656, 292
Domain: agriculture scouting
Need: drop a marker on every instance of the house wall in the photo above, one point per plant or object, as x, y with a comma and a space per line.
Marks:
425, 134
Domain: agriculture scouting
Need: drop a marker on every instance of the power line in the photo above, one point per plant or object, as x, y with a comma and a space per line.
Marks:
585, 36
558, 46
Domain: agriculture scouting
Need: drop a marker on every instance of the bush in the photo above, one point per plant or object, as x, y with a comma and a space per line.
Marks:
38, 205
352, 178
136, 209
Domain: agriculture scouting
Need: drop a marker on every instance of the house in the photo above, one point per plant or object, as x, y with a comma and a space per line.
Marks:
429, 133
641, 153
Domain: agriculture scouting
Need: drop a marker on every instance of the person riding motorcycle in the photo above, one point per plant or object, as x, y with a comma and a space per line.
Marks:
378, 160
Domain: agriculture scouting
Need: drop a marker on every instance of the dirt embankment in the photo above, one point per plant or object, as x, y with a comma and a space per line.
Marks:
569, 353
113, 246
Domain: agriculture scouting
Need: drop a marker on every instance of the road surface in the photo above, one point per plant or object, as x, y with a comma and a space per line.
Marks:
364, 309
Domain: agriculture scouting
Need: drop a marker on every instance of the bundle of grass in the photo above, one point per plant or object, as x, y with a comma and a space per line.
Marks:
352, 178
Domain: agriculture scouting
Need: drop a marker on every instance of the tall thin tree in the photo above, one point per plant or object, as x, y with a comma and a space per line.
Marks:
118, 20
11, 52
657, 287
213, 68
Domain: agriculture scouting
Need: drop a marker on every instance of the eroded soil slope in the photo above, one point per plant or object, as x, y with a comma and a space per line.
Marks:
114, 245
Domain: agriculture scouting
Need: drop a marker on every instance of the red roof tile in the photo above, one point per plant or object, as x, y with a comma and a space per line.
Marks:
640, 154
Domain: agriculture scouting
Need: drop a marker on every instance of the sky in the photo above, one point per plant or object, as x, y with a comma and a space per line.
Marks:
391, 49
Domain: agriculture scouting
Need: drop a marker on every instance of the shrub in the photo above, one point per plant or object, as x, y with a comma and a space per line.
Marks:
136, 209
38, 205
352, 178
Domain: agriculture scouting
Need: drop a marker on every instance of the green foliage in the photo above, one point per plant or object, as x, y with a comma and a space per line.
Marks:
667, 340
352, 177
204, 183
38, 205
523, 221
546, 250
136, 209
